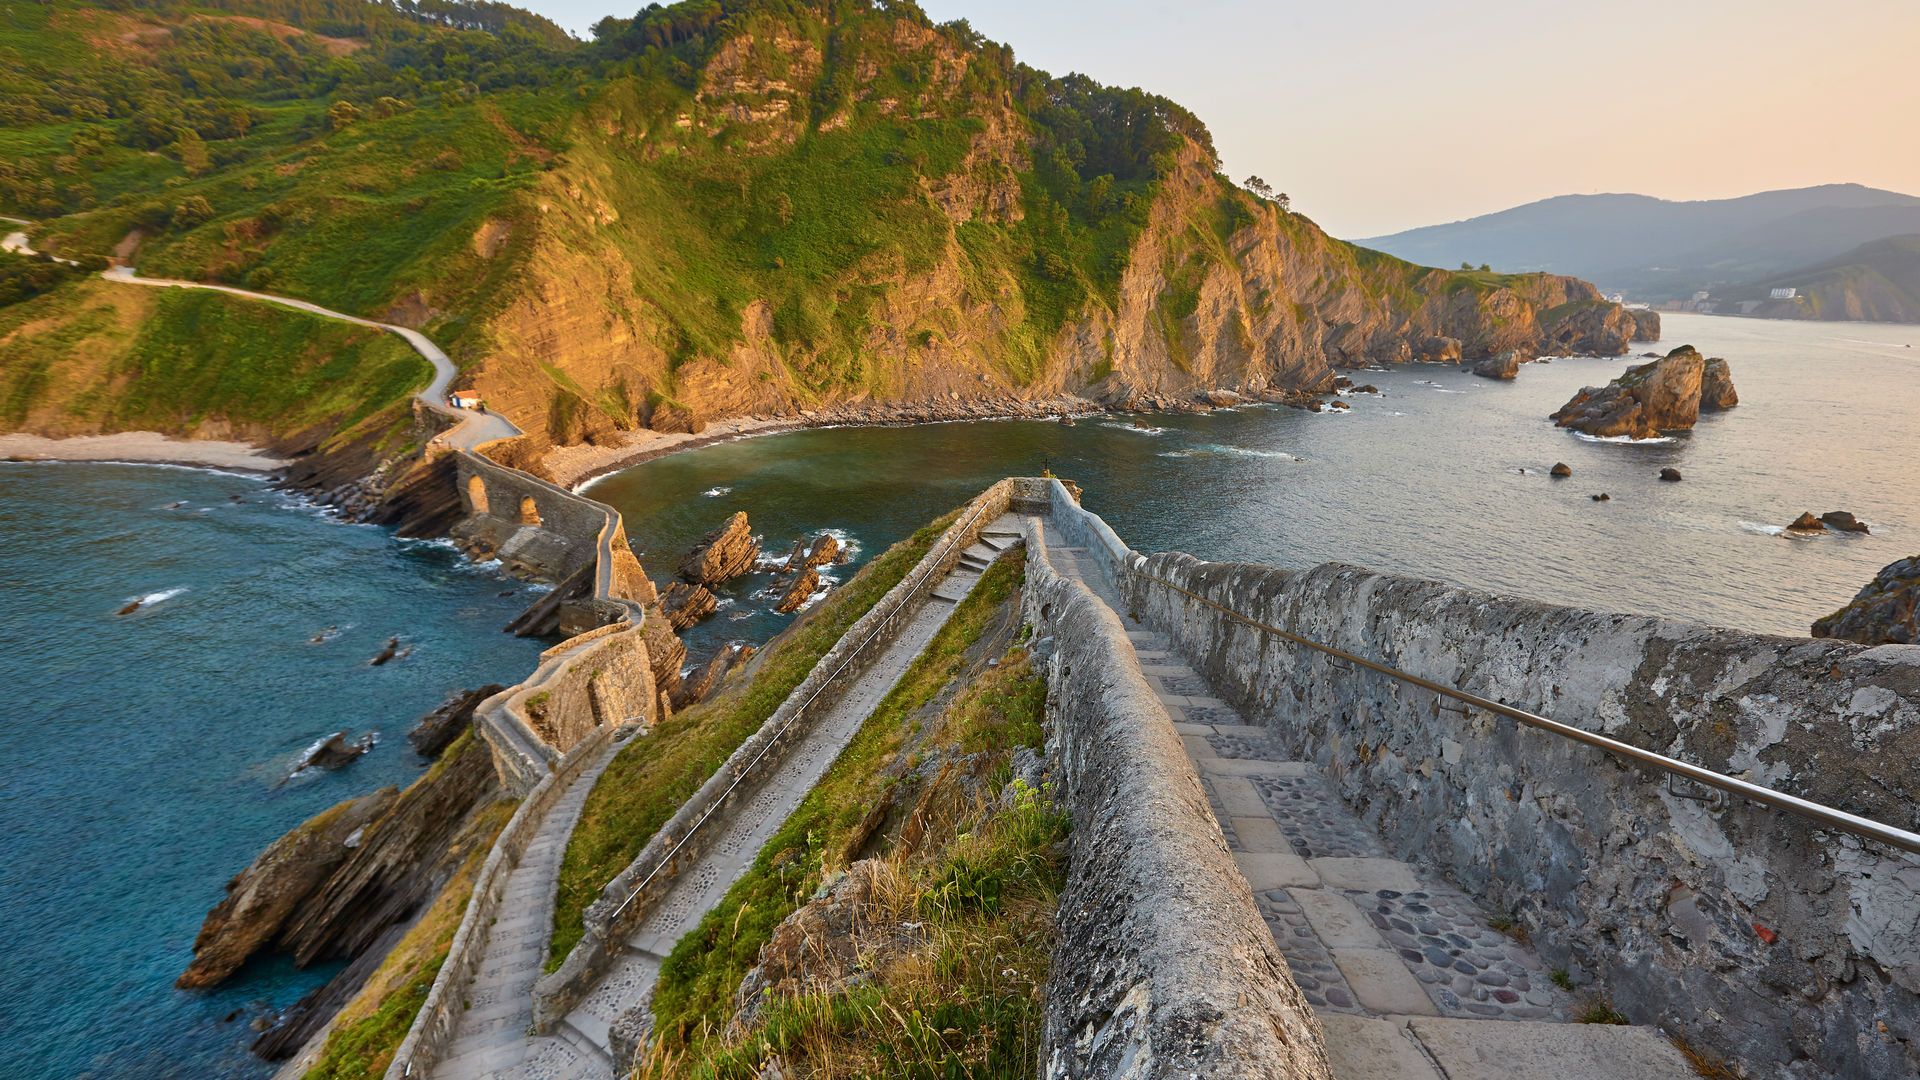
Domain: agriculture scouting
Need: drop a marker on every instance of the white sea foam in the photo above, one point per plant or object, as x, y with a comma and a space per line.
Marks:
716, 492
1133, 429
1764, 530
1624, 439
151, 599
849, 545
1231, 451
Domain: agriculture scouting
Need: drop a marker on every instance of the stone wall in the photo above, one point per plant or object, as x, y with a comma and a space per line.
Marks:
1787, 949
1163, 966
544, 532
678, 845
439, 1016
598, 679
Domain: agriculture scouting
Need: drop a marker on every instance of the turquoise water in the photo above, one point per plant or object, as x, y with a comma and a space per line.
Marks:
1423, 479
141, 756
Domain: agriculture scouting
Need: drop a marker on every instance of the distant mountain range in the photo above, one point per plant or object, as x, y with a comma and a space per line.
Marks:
1655, 250
1878, 281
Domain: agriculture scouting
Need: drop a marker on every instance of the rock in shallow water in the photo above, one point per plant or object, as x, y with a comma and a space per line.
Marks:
1842, 521
1670, 475
1666, 395
721, 555
1560, 469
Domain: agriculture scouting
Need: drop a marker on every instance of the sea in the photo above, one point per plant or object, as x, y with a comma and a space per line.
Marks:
146, 756
1442, 474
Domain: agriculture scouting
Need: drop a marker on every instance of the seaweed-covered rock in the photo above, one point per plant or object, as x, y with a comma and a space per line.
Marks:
1886, 611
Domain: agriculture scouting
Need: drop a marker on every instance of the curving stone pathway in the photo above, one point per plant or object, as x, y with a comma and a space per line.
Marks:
475, 427
494, 1044
1409, 980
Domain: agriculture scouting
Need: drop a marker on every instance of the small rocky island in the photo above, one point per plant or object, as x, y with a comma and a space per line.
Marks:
1666, 395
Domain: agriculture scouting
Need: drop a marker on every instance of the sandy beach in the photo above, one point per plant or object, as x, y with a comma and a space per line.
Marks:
144, 447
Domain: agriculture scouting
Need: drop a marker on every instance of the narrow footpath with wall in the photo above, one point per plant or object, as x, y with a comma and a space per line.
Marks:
1405, 976
591, 1014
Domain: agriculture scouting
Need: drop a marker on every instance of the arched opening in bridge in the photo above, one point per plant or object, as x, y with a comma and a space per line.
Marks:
477, 494
529, 514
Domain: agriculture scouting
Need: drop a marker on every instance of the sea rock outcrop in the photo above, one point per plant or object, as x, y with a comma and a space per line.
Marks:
1648, 399
260, 898
333, 752
805, 584
1884, 612
1560, 469
1716, 386
437, 730
685, 604
1670, 474
1841, 521
698, 685
825, 549
721, 555
1438, 350
1806, 522
1504, 366
1646, 324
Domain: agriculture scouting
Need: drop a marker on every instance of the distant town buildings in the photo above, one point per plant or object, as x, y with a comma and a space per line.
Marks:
1785, 294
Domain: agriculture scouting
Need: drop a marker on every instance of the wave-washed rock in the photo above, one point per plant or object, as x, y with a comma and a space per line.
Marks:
685, 604
721, 555
1886, 611
1665, 395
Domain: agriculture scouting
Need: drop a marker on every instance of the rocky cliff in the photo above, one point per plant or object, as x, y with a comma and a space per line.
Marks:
885, 211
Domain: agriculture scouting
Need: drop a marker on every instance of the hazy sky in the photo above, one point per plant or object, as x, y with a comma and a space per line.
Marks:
1380, 115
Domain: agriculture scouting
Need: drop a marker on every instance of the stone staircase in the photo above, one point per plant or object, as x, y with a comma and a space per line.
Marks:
494, 1042
1407, 975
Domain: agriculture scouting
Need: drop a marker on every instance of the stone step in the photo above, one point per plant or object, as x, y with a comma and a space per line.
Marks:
1362, 1048
586, 1033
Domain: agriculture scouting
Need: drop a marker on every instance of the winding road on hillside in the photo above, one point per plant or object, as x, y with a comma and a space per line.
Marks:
475, 426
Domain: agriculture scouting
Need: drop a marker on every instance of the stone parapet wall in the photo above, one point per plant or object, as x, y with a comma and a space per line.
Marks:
439, 1016
627, 900
1789, 949
1162, 966
599, 679
1079, 528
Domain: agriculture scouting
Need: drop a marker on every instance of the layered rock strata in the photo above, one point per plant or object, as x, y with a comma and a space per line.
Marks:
721, 555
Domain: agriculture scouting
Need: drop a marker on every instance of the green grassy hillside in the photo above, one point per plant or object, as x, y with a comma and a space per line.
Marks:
713, 208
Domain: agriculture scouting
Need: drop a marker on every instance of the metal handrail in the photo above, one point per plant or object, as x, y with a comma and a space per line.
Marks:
1807, 808
799, 711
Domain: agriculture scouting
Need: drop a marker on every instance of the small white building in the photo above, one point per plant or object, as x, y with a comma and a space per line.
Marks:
464, 400
1785, 294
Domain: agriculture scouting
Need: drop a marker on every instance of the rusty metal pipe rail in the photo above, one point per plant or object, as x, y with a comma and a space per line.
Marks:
1779, 800
886, 623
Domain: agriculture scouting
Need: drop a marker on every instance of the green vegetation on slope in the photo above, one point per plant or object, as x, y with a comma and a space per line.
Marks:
979, 881
95, 355
649, 780
371, 1027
